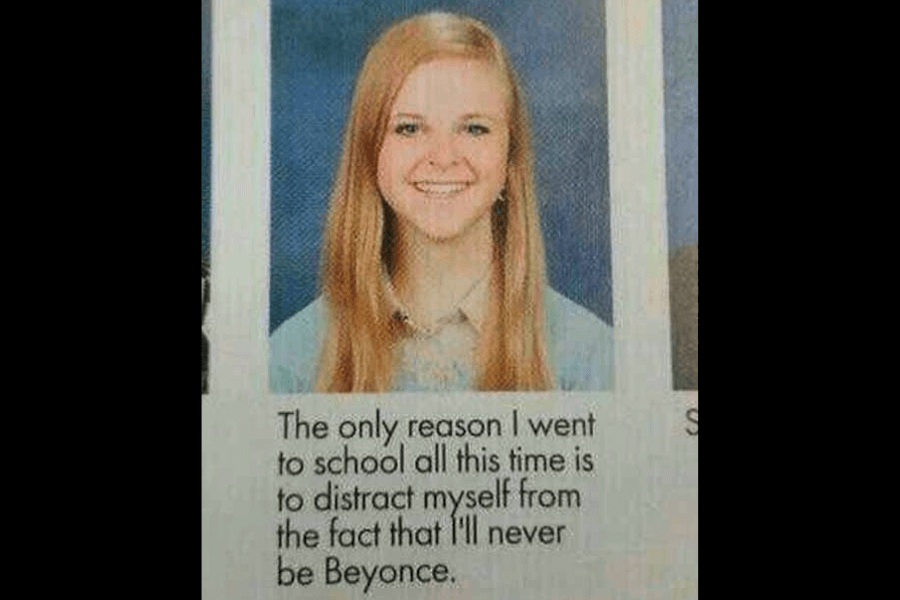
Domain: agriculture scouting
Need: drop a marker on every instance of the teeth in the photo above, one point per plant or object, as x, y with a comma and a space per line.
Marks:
439, 188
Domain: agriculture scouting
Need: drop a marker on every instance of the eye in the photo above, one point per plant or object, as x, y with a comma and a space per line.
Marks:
407, 129
476, 129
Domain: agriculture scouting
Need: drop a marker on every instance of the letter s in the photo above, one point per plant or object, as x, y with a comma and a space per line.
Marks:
693, 416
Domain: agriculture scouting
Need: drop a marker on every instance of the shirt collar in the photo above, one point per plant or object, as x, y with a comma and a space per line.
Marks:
474, 302
472, 306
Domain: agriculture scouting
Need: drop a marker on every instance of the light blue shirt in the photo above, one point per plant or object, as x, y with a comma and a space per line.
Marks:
580, 348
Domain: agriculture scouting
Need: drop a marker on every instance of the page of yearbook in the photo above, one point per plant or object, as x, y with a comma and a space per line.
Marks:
449, 299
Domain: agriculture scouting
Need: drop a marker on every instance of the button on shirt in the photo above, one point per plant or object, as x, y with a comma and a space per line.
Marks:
441, 356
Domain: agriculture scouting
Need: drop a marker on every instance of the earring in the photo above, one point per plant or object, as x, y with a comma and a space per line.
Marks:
499, 206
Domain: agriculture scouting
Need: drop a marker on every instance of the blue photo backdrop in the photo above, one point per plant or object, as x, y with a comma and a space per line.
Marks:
681, 71
559, 51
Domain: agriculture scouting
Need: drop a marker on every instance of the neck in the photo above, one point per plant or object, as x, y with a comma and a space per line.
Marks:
432, 276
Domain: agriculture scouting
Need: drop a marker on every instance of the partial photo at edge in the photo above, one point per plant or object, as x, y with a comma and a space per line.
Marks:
204, 193
680, 63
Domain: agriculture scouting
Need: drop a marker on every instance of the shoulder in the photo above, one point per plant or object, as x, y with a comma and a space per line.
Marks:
294, 349
570, 322
581, 345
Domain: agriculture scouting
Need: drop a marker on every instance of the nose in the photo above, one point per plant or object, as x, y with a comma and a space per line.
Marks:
442, 153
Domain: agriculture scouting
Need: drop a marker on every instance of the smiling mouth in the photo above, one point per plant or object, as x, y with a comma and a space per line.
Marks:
440, 188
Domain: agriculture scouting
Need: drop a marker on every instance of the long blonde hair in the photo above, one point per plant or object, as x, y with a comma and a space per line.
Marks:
360, 233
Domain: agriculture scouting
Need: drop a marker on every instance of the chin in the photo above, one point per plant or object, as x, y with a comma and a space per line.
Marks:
442, 227
441, 233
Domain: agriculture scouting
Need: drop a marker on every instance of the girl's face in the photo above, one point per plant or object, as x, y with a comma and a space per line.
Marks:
443, 160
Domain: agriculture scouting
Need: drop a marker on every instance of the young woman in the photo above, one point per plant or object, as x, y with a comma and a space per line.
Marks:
433, 261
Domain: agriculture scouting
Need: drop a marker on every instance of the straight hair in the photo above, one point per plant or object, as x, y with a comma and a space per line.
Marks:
361, 229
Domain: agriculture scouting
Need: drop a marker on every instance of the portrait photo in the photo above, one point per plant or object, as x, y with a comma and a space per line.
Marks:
680, 60
440, 207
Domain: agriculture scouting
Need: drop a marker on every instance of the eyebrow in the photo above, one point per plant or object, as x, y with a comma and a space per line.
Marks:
409, 116
468, 116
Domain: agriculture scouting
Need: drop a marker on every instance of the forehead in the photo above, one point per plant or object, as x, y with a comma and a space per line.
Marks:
453, 85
